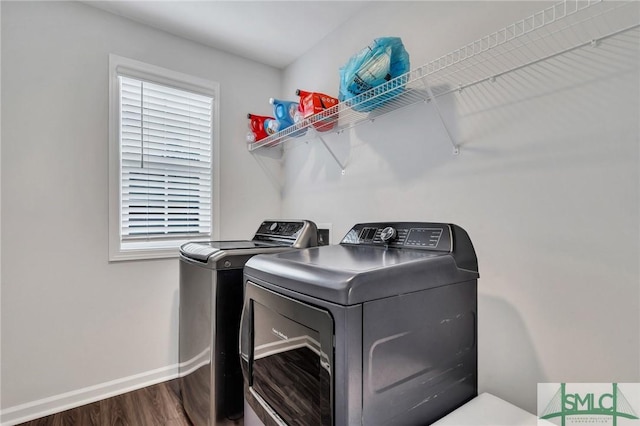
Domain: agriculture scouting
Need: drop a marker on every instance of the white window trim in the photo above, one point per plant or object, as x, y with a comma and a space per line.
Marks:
137, 69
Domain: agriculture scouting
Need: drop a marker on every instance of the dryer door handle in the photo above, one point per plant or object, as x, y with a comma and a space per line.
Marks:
246, 338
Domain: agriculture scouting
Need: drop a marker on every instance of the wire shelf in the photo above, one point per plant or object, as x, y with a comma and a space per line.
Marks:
554, 31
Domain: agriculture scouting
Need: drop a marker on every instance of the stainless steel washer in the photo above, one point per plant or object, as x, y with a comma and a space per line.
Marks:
211, 293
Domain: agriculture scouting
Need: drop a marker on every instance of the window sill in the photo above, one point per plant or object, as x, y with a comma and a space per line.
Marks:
146, 250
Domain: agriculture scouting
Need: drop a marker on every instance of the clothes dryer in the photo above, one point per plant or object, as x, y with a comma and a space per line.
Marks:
378, 330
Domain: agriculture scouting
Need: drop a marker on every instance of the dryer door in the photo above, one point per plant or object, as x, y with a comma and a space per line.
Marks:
287, 351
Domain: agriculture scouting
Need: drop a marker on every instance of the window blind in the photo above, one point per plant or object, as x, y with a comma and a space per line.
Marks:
165, 161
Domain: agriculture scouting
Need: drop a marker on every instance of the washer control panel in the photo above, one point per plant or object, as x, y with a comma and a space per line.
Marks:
411, 235
272, 228
293, 233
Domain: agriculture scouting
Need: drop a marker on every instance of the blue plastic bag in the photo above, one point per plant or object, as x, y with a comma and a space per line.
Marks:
374, 66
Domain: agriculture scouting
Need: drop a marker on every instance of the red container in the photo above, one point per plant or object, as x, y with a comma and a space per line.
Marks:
256, 124
312, 103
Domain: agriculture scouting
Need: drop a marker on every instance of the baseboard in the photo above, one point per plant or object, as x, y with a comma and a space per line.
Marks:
65, 401
191, 365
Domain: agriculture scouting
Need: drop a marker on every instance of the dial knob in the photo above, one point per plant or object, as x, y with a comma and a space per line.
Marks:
273, 226
388, 234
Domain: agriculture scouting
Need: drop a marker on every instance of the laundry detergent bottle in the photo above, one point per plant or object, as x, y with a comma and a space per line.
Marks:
312, 103
284, 112
257, 127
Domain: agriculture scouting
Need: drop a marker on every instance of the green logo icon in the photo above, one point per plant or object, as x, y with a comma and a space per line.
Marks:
564, 404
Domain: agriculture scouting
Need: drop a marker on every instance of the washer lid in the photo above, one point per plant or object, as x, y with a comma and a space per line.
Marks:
202, 251
271, 236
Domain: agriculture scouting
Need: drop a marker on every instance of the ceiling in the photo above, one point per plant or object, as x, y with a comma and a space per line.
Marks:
275, 33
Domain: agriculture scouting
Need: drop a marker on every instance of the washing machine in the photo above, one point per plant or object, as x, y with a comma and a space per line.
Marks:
211, 294
380, 329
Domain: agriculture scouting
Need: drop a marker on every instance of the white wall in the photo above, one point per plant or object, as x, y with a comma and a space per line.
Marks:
0, 207
70, 319
546, 184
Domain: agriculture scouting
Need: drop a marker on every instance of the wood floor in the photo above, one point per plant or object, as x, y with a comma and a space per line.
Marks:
157, 405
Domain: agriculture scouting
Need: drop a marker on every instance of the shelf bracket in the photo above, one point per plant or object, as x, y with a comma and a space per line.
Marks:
272, 168
342, 166
432, 98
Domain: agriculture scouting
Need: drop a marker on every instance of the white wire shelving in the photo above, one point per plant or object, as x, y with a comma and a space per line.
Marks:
557, 30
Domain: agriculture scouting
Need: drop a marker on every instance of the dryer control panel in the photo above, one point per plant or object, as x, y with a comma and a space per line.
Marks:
409, 235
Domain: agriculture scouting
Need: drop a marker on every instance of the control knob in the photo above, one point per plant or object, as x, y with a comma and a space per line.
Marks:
388, 234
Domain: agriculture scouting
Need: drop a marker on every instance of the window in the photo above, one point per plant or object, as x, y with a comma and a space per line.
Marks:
163, 159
